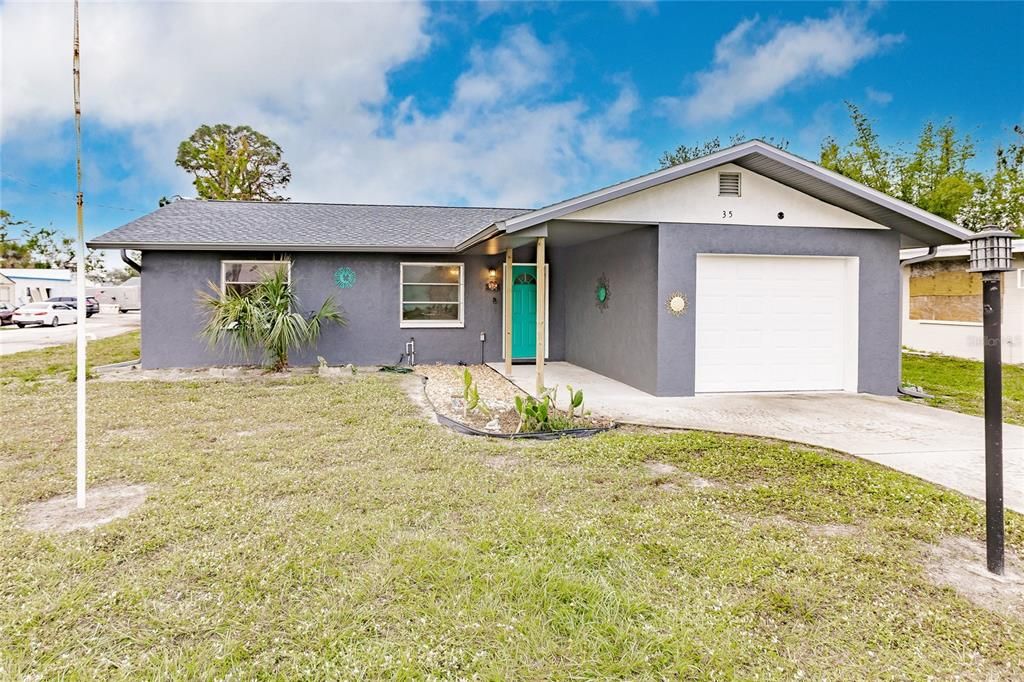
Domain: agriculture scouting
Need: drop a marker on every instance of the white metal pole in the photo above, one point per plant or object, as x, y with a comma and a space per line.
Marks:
80, 285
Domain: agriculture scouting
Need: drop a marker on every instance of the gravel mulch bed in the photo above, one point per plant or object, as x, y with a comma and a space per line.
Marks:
444, 388
498, 394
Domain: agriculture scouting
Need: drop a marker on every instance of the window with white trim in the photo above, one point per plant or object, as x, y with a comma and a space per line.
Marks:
242, 276
432, 294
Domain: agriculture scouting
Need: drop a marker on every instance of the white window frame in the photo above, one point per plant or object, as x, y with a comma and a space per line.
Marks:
223, 270
431, 324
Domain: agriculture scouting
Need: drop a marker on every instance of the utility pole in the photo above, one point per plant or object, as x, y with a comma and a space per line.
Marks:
79, 282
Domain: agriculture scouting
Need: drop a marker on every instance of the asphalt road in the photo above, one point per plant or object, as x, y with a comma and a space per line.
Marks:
101, 325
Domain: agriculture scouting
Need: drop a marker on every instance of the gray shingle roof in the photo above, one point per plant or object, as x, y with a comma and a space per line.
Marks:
291, 225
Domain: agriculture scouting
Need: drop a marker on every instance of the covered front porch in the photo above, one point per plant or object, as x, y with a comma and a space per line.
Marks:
600, 390
557, 284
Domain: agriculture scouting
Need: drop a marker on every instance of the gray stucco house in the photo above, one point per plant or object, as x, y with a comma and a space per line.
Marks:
746, 270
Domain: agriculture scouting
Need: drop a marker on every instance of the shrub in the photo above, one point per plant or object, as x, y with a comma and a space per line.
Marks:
264, 319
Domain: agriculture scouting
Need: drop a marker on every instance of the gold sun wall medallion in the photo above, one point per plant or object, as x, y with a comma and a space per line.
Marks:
677, 303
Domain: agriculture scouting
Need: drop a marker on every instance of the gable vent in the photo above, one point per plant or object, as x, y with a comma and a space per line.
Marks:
728, 184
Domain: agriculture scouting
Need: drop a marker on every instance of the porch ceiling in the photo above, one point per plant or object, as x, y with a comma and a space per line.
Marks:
559, 233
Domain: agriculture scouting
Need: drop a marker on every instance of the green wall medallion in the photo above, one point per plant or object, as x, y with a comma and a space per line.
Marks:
344, 277
602, 292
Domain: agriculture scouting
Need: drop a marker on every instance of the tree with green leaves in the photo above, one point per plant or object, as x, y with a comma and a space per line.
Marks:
265, 319
55, 249
1001, 200
52, 248
42, 247
234, 162
119, 275
123, 274
14, 252
684, 153
934, 176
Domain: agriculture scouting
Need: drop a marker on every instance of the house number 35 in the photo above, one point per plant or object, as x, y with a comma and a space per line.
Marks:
726, 214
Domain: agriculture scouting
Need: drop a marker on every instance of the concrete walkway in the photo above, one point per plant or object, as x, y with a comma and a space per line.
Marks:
937, 445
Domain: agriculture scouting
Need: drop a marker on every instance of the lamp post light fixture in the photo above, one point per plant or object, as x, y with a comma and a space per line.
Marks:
992, 255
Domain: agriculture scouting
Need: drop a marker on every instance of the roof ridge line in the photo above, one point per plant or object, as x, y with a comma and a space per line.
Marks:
342, 203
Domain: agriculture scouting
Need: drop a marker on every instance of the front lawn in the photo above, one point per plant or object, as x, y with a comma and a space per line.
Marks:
59, 361
958, 384
302, 528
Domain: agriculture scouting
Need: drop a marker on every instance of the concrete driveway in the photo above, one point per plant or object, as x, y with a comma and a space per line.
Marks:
99, 326
937, 445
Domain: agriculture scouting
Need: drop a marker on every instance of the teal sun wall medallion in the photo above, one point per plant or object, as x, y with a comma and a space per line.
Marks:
602, 292
344, 277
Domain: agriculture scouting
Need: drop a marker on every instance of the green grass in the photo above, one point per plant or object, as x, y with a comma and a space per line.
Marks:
298, 528
958, 384
58, 362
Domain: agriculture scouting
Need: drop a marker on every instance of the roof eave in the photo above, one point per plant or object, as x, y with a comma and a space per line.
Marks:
483, 235
892, 203
242, 246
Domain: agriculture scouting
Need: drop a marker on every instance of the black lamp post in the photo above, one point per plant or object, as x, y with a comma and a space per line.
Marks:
991, 255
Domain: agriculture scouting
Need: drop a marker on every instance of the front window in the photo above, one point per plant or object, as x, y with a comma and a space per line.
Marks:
432, 294
242, 276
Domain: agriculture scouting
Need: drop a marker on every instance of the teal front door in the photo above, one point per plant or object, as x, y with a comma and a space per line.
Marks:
524, 312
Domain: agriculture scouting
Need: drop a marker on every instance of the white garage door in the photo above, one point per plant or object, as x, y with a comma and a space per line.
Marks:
776, 323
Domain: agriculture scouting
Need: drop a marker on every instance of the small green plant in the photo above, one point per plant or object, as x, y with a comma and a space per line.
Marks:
534, 415
575, 401
471, 396
544, 415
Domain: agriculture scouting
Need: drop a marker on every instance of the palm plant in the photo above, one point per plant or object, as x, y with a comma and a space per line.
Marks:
264, 319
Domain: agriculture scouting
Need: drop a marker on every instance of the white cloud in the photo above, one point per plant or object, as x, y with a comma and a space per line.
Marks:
314, 77
878, 96
754, 62
500, 141
632, 9
152, 63
514, 68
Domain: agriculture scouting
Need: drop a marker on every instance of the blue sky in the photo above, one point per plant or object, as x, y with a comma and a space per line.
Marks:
496, 104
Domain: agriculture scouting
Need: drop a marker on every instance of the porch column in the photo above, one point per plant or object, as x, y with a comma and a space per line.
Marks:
506, 283
542, 287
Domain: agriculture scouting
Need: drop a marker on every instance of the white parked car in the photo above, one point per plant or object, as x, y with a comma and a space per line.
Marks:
45, 313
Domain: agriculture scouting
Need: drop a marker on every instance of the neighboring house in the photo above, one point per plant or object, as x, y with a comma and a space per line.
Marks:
942, 303
39, 284
7, 287
746, 270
